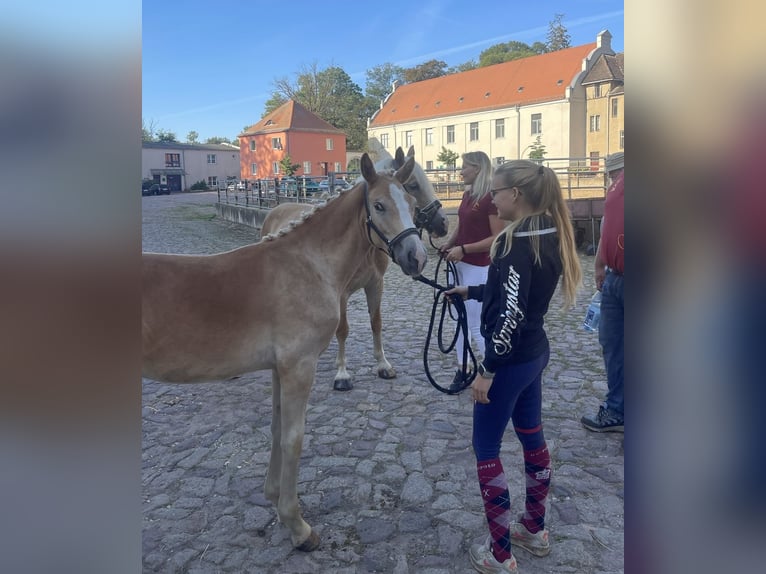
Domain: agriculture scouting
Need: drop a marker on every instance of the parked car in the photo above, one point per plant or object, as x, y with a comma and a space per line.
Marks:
340, 185
155, 189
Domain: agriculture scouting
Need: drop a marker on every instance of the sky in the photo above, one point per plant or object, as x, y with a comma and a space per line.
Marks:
210, 65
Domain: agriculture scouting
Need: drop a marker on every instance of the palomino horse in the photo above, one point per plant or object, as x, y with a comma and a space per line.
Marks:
373, 264
274, 305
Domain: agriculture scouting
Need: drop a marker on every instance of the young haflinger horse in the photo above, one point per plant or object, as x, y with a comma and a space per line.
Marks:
274, 305
373, 264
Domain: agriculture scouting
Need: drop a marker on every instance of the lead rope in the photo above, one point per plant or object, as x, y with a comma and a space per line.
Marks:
456, 304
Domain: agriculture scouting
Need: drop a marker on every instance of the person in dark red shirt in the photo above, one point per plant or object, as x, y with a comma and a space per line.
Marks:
609, 274
468, 245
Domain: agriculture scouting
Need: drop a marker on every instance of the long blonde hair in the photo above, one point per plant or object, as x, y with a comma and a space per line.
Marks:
483, 182
541, 190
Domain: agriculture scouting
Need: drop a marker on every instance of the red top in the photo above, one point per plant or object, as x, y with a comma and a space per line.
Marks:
473, 225
613, 229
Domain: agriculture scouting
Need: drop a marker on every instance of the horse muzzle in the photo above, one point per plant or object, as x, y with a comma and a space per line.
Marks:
410, 254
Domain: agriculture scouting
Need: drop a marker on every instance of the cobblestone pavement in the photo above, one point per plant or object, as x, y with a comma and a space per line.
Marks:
387, 474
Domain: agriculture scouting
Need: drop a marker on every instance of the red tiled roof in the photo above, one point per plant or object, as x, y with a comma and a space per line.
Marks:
291, 116
528, 80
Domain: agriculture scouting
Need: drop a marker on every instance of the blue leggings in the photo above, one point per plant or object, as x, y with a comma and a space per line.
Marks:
516, 394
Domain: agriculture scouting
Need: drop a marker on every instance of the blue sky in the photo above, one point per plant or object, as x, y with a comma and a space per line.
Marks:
210, 65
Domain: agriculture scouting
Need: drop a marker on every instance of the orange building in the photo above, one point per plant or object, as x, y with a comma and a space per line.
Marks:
291, 130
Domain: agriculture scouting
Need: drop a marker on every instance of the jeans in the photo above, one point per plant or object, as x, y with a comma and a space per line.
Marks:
611, 336
515, 394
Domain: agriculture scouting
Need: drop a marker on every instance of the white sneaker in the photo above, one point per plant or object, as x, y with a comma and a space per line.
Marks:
484, 561
537, 543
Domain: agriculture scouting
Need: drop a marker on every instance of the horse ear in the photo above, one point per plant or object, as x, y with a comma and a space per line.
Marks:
403, 173
411, 151
399, 158
368, 169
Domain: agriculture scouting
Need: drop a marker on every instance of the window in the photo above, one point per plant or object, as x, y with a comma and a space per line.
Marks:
329, 146
474, 131
537, 124
276, 143
275, 167
337, 166
429, 165
597, 91
450, 134
252, 145
254, 168
172, 160
212, 181
499, 160
500, 128
384, 140
408, 138
211, 158
429, 136
622, 139
615, 107
306, 167
595, 123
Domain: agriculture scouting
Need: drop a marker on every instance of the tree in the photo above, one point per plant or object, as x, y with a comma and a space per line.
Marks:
508, 51
425, 71
218, 140
380, 79
287, 166
448, 157
537, 151
166, 136
464, 67
192, 137
147, 130
558, 37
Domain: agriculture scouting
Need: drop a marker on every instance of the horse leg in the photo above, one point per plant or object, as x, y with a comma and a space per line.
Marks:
374, 292
296, 379
274, 474
342, 377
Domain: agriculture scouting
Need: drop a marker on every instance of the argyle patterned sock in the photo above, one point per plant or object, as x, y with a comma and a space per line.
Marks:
537, 466
497, 506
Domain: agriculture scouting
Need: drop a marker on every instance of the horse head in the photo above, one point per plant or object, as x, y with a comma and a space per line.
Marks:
389, 215
429, 212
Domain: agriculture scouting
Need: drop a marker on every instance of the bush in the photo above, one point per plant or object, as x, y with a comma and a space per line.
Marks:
200, 185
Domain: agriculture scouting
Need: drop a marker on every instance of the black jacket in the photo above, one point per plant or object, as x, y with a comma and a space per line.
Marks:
516, 297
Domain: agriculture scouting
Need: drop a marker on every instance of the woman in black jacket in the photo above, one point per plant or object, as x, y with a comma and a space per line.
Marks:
528, 257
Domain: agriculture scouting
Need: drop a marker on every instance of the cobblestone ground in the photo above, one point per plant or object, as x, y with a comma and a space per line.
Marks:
387, 475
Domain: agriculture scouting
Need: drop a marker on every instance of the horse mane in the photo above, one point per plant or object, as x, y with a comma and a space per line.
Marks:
306, 215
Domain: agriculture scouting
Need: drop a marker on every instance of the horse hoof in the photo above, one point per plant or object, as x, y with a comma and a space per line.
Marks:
342, 385
387, 373
311, 543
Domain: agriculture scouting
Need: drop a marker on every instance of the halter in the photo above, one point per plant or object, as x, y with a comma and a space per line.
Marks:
372, 227
424, 217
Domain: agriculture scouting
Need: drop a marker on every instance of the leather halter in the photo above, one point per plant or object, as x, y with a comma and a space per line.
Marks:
390, 244
424, 217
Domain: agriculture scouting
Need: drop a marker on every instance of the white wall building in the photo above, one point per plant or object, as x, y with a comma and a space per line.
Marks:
180, 165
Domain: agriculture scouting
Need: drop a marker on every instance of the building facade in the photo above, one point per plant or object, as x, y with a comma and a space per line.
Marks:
181, 165
291, 130
503, 110
605, 94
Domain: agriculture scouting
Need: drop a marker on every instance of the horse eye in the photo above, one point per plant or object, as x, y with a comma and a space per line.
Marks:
379, 206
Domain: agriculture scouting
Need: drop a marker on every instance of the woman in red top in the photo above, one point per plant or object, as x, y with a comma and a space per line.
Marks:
468, 245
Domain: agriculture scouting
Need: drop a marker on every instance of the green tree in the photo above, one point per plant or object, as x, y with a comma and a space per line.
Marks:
558, 37
537, 151
464, 67
287, 166
192, 137
218, 140
166, 136
425, 71
147, 130
508, 51
448, 157
380, 79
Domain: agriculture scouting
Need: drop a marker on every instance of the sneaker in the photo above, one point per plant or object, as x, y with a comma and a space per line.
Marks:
604, 421
458, 383
537, 543
484, 561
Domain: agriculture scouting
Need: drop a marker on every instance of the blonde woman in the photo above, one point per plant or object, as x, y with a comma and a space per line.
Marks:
468, 245
528, 257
